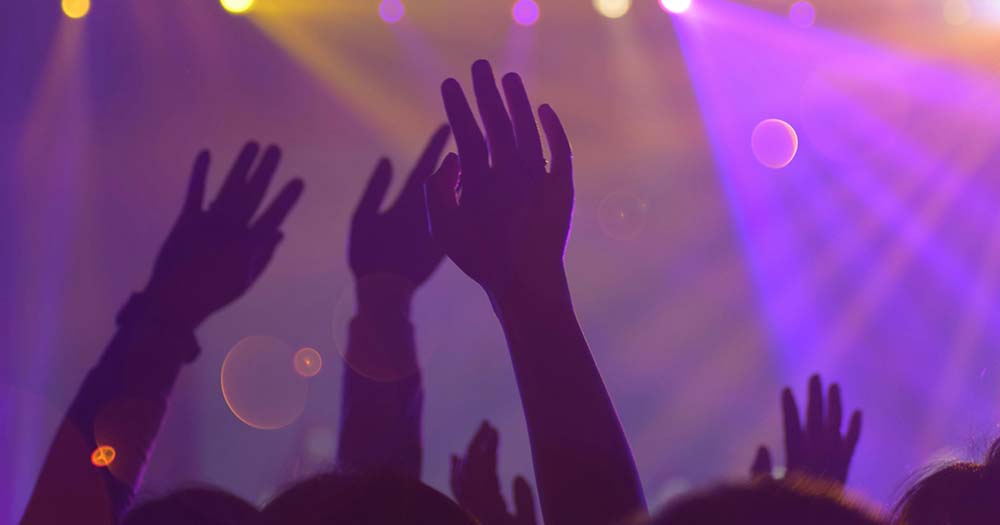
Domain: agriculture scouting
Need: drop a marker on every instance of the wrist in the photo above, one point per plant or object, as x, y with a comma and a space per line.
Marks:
384, 295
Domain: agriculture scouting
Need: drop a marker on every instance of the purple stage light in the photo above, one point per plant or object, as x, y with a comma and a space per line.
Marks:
774, 143
675, 6
391, 11
802, 14
525, 12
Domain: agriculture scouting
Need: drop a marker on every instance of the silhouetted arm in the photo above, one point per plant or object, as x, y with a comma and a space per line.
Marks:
508, 231
210, 259
391, 255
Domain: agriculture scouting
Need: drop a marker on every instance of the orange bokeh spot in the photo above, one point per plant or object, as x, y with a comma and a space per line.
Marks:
103, 456
308, 362
259, 386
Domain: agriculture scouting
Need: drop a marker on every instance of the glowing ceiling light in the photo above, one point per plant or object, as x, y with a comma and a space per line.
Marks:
237, 6
612, 8
76, 8
675, 6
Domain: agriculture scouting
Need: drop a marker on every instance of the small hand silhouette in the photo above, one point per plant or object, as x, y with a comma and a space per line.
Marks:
500, 216
475, 484
818, 450
213, 256
397, 242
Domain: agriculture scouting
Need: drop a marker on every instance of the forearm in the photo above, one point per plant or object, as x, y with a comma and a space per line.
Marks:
583, 464
121, 404
382, 399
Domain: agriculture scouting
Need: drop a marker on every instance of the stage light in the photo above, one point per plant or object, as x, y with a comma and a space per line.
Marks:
237, 6
76, 8
308, 362
102, 456
525, 12
675, 6
391, 11
612, 8
802, 14
774, 143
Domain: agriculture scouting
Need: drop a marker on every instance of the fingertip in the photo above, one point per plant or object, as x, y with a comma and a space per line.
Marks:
512, 79
450, 86
482, 66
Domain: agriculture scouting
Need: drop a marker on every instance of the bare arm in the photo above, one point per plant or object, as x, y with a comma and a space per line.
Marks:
507, 229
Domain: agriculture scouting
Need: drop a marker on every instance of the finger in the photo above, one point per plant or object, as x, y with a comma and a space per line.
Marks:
524, 502
761, 463
428, 160
499, 130
529, 142
835, 414
375, 191
257, 186
853, 434
814, 410
472, 151
235, 181
793, 429
279, 209
482, 454
442, 201
195, 198
555, 135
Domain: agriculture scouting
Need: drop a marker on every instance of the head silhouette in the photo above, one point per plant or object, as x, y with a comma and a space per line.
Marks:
196, 506
961, 493
331, 498
767, 502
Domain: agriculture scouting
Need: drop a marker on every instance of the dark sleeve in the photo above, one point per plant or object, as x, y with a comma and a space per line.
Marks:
382, 400
121, 405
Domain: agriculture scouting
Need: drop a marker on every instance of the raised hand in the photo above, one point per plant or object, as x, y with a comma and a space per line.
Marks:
499, 214
819, 449
212, 256
476, 486
397, 242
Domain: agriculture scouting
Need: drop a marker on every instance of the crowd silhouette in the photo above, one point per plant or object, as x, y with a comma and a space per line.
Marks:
502, 213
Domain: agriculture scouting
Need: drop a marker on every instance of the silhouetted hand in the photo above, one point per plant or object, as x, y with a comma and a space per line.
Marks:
818, 450
213, 256
397, 242
476, 487
498, 213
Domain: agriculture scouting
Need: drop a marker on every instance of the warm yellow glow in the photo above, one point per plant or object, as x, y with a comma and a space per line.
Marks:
308, 362
237, 6
103, 456
76, 8
612, 8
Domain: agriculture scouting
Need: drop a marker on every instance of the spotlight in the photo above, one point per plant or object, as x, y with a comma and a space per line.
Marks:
76, 8
675, 6
612, 8
237, 6
525, 12
391, 11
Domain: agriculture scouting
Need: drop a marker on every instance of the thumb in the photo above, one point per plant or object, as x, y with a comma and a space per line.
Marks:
442, 200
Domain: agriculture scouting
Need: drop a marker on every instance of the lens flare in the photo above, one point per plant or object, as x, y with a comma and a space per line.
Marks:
102, 456
612, 8
76, 8
525, 12
774, 143
802, 14
622, 215
391, 11
258, 385
675, 6
237, 6
308, 362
